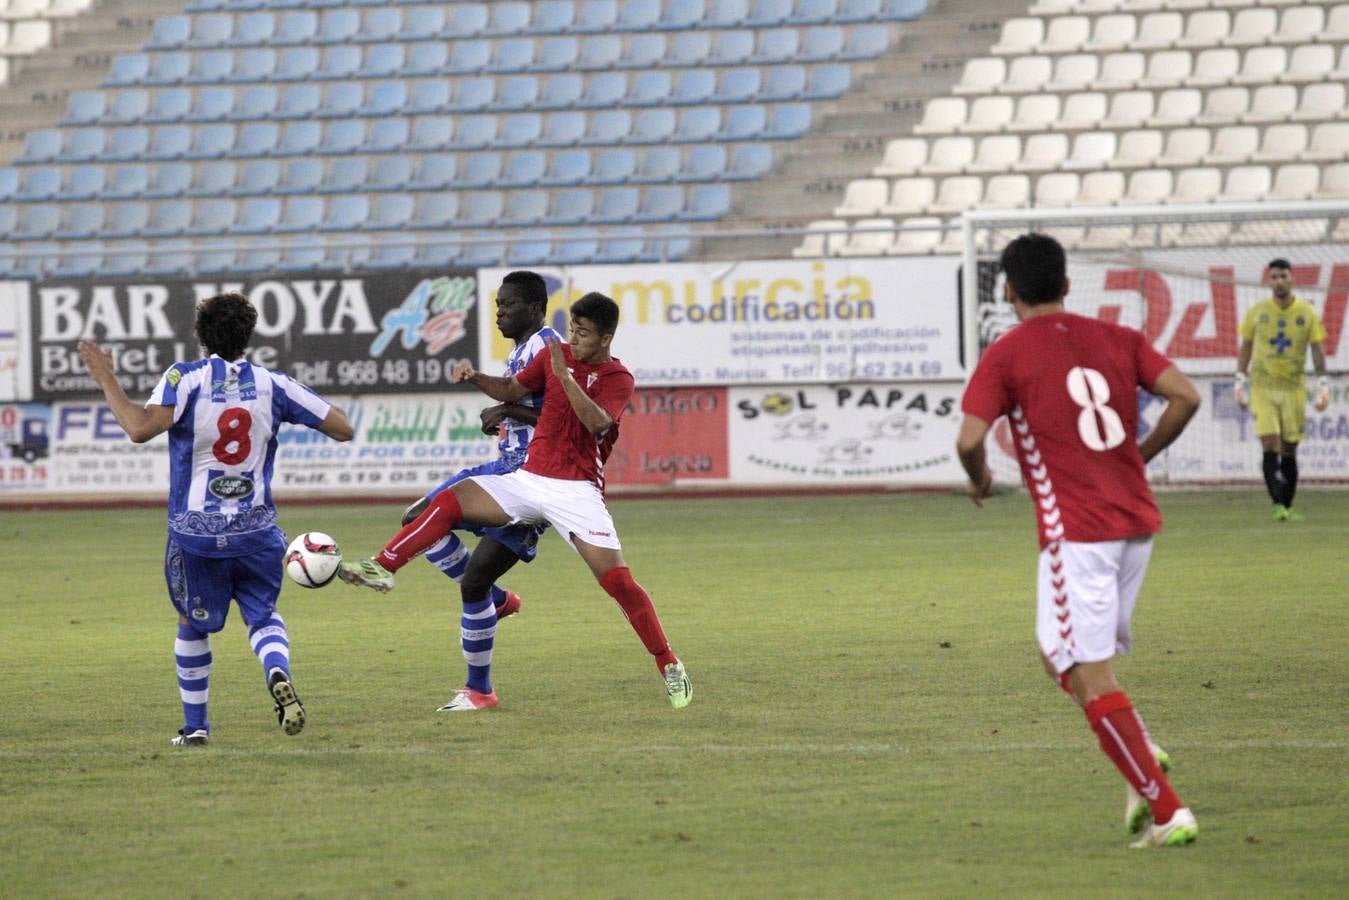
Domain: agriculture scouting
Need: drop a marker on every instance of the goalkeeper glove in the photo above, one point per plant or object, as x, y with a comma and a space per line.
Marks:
1322, 394
1239, 390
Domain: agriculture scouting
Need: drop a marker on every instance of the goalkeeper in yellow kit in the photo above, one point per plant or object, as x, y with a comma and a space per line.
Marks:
1275, 335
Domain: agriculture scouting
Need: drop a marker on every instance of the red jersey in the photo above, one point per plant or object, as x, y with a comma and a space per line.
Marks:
1069, 387
562, 447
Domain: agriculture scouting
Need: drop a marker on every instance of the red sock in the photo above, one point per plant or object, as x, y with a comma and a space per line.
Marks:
421, 533
636, 604
1125, 741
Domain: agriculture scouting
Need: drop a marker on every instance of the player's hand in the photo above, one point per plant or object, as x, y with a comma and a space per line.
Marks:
462, 372
1322, 398
978, 492
97, 360
1239, 391
556, 357
492, 417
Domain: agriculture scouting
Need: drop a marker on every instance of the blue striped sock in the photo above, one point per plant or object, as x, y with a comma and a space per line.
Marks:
271, 645
450, 556
192, 653
477, 630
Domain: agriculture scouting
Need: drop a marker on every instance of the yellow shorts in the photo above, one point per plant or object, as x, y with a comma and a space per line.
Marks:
1281, 411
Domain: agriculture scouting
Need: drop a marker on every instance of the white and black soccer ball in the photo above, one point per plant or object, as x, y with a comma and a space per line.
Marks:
312, 559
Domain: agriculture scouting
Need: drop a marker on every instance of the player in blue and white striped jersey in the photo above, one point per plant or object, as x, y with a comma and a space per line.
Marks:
222, 414
522, 302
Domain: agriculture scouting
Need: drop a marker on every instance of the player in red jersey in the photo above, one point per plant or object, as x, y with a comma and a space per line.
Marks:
1068, 385
561, 482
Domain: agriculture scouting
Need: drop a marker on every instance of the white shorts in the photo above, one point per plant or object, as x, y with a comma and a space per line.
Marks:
1085, 599
574, 508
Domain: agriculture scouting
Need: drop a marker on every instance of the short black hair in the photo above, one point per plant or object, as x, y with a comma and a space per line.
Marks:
1280, 263
531, 285
1036, 268
225, 324
599, 309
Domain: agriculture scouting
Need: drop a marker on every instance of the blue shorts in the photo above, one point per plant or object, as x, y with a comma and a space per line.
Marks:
201, 587
522, 539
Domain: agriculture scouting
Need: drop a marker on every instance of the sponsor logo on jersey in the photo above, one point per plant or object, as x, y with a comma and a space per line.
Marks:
230, 487
174, 377
200, 613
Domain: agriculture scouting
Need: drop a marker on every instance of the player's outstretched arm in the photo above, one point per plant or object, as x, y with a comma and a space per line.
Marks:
593, 416
506, 390
1243, 364
336, 425
974, 458
139, 422
1182, 402
1322, 396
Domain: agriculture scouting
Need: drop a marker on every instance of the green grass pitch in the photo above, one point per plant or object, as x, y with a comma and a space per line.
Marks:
869, 716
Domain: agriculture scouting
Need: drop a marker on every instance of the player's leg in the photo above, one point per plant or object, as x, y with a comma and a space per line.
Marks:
257, 580
194, 591
1293, 428
477, 628
1266, 412
192, 657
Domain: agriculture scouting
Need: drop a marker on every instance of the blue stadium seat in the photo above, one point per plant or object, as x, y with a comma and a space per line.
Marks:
708, 202
296, 64
339, 62
431, 133
828, 82
682, 15
341, 100
428, 96
260, 256
572, 206
866, 42
473, 94
434, 173
557, 54
644, 51
381, 24
743, 123
563, 129
421, 23
304, 253
616, 204
383, 61
41, 183
639, 15
474, 132
42, 144
731, 48
519, 92
212, 142
615, 166
483, 253
299, 138
256, 101
661, 203
386, 136
213, 217
170, 32
608, 126
126, 219
167, 68
306, 214
508, 18
128, 69
605, 89
262, 138
258, 215
300, 26
783, 83
211, 31
210, 67
254, 64
168, 218
560, 91
390, 211
738, 86
695, 86
525, 207
342, 136
768, 13
658, 165
620, 246
466, 20
575, 246
212, 104
813, 12
170, 142
704, 163
726, 13
428, 58
479, 208
666, 244
216, 257
213, 179
346, 175
853, 11
750, 161
788, 122
127, 143
601, 51
86, 108
566, 167
436, 211
126, 258
552, 17
9, 184
83, 144
299, 101
596, 16
169, 180
650, 88
258, 177
777, 45
85, 182
468, 57
253, 30
9, 221
653, 126
170, 258
698, 124
529, 248
390, 173
80, 259
394, 251
384, 98
480, 170
339, 26
524, 169
128, 182
515, 55
169, 105
304, 176
821, 44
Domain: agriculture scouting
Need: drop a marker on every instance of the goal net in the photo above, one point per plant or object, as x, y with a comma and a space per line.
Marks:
1185, 276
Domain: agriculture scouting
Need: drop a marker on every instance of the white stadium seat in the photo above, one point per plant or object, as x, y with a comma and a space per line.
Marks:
1138, 148
1036, 112
1083, 110
1065, 34
1158, 30
1185, 146
1309, 63
942, 115
1215, 66
1321, 101
1129, 109
1057, 189
1176, 107
988, 114
948, 154
1199, 185
1112, 32
1148, 187
1329, 143
1043, 152
826, 237
1223, 105
1027, 73
1074, 72
996, 153
1167, 68
1280, 143
982, 75
1334, 183
1233, 145
1337, 25
911, 197
1342, 68
1297, 181
1300, 24
903, 156
862, 241
1206, 28
1019, 35
1091, 150
1271, 103
1245, 184
1006, 192
863, 197
1252, 27
1121, 71
1100, 189
923, 236
1261, 65
957, 194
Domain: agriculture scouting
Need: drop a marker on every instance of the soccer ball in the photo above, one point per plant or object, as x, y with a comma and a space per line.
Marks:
312, 559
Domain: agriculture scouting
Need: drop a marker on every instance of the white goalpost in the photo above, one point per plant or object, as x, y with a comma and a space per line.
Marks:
1184, 276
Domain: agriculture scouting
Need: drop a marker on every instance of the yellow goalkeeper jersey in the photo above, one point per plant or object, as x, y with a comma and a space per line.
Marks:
1279, 339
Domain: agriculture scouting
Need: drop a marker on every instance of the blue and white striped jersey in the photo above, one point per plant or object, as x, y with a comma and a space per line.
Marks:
515, 436
221, 449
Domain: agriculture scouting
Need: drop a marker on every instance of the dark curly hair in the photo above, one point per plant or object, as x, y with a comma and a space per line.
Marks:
225, 324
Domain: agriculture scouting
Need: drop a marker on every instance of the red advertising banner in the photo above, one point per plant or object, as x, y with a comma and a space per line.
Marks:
671, 435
